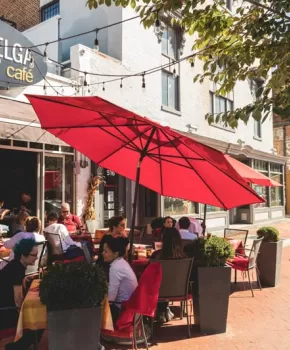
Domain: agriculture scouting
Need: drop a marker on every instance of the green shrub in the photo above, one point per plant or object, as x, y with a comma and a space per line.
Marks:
73, 286
212, 252
270, 234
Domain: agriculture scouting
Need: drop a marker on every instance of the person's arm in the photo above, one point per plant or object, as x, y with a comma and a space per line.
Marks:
18, 295
66, 237
5, 212
114, 284
12, 241
77, 221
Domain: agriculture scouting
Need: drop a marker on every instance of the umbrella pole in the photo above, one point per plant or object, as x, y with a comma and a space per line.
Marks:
204, 218
137, 185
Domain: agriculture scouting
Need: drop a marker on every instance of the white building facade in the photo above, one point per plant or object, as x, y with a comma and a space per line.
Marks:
170, 98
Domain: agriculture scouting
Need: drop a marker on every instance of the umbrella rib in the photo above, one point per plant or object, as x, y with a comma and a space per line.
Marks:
177, 157
83, 126
155, 157
164, 144
238, 182
122, 146
224, 206
160, 167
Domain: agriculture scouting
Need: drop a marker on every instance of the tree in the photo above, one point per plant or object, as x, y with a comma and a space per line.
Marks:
249, 43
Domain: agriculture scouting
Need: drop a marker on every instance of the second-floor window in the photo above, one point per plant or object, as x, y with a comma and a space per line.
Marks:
220, 104
256, 86
50, 10
170, 74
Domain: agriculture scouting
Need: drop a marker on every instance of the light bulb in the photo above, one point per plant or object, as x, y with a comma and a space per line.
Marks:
96, 45
157, 26
45, 58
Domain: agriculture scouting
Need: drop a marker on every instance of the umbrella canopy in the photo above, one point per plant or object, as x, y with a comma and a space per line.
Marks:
251, 175
117, 139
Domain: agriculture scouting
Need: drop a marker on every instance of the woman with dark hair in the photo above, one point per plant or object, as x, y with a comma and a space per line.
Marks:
171, 249
117, 226
122, 279
18, 224
12, 276
167, 222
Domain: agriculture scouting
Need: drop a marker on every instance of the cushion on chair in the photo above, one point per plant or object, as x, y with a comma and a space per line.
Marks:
240, 263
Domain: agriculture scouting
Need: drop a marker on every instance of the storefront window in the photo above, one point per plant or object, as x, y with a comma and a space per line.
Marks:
262, 191
210, 209
69, 181
176, 206
276, 192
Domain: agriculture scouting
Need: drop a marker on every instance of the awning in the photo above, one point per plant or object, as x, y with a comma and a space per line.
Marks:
18, 121
251, 175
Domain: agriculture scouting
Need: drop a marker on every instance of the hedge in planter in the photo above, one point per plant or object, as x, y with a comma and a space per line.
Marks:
73, 294
212, 279
270, 256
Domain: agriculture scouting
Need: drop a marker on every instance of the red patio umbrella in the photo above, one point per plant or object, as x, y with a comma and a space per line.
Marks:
251, 175
117, 139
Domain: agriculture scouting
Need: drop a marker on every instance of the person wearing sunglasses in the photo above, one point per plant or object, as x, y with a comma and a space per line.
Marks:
70, 221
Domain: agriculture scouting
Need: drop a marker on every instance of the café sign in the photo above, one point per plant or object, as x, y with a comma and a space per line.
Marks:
19, 66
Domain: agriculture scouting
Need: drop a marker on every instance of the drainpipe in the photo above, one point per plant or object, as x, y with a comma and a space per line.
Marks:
59, 44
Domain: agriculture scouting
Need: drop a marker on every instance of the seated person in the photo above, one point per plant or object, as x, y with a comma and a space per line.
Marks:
171, 249
196, 226
25, 203
12, 276
32, 229
70, 221
184, 224
70, 248
122, 279
3, 212
167, 222
18, 223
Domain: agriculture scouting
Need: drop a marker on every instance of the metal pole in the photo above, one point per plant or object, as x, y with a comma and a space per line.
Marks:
204, 218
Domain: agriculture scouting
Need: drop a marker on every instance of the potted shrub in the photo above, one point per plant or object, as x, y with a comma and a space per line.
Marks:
90, 213
211, 283
73, 294
270, 256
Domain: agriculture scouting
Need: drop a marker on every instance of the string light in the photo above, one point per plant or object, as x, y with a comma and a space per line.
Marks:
45, 57
143, 81
96, 44
104, 87
44, 89
157, 24
31, 61
121, 83
85, 81
89, 91
192, 64
174, 72
7, 87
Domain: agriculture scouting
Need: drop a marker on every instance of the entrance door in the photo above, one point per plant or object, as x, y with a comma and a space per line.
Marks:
54, 175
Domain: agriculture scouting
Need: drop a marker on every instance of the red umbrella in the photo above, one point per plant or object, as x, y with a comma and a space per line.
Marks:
250, 174
117, 139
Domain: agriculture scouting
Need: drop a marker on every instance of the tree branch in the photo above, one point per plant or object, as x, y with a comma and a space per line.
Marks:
267, 8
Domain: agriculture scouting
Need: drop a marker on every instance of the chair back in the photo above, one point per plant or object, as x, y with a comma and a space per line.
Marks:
185, 242
253, 256
202, 224
175, 278
87, 254
54, 246
144, 299
36, 267
236, 234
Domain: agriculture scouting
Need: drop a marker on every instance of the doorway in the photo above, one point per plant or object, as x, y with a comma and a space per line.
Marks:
18, 173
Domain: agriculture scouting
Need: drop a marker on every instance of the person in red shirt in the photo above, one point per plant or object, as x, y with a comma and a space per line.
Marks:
70, 221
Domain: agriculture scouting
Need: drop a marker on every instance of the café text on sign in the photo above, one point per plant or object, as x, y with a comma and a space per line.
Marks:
19, 65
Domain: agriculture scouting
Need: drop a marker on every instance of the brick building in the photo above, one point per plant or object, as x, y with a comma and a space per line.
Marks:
24, 13
282, 147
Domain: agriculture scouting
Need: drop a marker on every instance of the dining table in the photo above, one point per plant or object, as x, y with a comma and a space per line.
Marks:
33, 314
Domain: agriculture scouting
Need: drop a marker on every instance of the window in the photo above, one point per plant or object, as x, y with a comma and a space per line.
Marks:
220, 104
229, 4
170, 90
169, 45
210, 209
257, 129
262, 191
50, 10
176, 206
276, 192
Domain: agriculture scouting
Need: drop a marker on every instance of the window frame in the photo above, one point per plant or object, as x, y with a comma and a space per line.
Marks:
45, 7
228, 102
176, 106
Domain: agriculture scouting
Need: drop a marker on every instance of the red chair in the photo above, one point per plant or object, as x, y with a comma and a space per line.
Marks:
143, 302
246, 263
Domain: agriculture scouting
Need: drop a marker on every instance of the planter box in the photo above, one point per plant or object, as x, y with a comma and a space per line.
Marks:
74, 329
211, 292
269, 263
91, 226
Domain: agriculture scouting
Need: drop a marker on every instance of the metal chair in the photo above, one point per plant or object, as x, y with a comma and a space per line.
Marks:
246, 263
203, 225
175, 284
237, 234
36, 268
